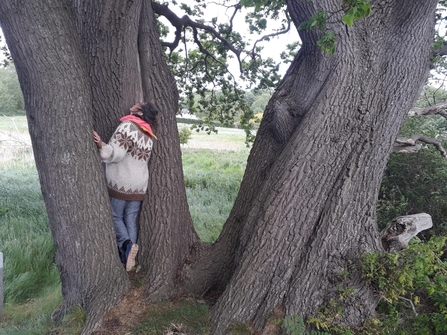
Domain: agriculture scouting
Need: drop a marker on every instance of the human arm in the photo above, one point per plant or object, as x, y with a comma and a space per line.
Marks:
118, 145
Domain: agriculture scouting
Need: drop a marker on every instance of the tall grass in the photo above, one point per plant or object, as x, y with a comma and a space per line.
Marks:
31, 279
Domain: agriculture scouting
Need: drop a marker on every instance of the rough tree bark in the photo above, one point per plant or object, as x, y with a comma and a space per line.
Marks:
170, 234
53, 77
81, 65
306, 207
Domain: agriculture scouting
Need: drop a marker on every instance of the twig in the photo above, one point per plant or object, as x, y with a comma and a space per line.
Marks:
17, 129
411, 304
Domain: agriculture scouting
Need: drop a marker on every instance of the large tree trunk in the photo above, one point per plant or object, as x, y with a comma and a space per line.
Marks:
169, 233
306, 207
81, 65
54, 79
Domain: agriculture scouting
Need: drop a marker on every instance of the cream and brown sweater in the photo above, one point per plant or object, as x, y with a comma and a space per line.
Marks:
126, 156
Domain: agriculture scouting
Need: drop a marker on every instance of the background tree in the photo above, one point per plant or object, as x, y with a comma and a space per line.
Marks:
306, 207
11, 97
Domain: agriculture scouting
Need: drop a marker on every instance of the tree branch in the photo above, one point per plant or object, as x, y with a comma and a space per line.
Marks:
438, 109
411, 304
186, 21
267, 37
409, 145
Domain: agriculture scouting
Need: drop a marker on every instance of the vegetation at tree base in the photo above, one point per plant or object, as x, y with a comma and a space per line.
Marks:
412, 286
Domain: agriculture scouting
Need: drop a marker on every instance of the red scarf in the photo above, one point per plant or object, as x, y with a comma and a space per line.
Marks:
141, 123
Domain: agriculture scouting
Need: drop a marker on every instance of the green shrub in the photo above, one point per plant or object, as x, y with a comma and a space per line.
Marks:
185, 135
413, 288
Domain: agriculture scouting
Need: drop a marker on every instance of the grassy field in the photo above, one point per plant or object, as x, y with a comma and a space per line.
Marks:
213, 168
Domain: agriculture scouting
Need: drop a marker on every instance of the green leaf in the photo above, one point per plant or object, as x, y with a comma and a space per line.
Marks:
356, 10
348, 19
327, 42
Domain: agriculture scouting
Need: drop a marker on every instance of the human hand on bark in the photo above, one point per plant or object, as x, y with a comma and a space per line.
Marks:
97, 139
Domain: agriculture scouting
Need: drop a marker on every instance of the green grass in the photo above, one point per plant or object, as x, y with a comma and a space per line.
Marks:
225, 139
32, 317
31, 280
212, 180
186, 316
25, 236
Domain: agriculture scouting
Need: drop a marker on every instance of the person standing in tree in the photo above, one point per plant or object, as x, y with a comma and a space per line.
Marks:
126, 158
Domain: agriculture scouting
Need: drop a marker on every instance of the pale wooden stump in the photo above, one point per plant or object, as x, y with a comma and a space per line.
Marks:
402, 229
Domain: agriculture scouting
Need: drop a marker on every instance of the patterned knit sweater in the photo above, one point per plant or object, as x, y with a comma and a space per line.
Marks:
126, 156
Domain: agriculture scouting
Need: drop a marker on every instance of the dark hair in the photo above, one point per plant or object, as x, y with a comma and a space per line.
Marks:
150, 113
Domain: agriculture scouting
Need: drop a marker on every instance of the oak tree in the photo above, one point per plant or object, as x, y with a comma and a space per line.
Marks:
305, 211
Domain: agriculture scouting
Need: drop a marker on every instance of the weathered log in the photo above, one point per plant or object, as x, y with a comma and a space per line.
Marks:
402, 229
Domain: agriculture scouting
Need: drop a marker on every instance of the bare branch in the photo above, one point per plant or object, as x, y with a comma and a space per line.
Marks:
267, 37
438, 109
236, 9
411, 304
186, 21
409, 145
402, 229
22, 139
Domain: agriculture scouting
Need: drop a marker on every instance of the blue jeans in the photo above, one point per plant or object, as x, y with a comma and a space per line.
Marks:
125, 215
